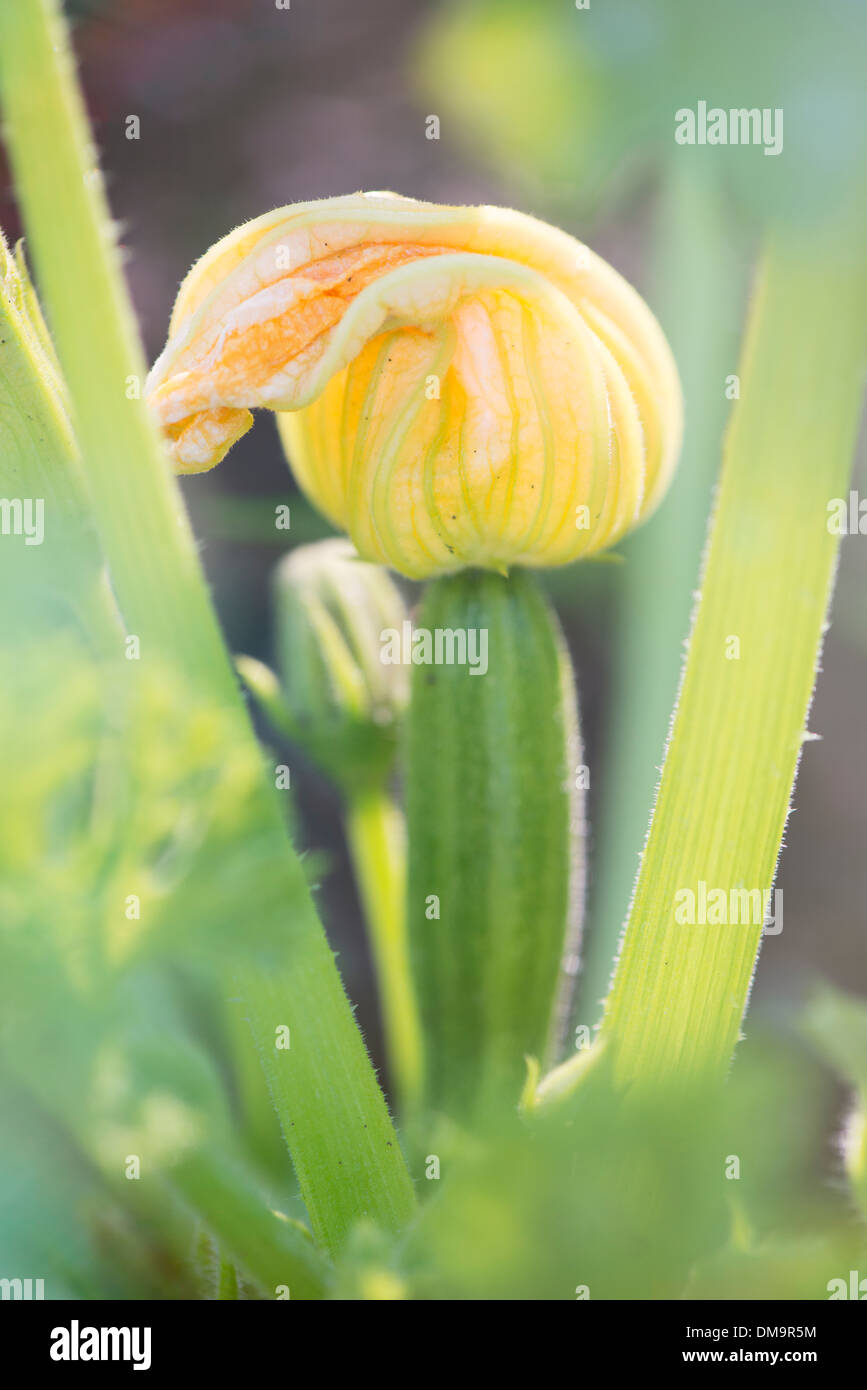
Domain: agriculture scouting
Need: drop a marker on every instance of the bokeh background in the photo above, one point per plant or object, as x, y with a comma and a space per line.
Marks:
568, 114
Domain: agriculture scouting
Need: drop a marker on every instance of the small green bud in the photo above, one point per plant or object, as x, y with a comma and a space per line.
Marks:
342, 701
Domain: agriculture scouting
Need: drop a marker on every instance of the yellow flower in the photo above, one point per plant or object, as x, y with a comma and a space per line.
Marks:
466, 386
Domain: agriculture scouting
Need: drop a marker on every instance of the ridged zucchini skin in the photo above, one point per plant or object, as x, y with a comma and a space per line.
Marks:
495, 829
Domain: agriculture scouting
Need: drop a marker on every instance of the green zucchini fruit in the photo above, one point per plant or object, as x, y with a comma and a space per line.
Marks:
495, 820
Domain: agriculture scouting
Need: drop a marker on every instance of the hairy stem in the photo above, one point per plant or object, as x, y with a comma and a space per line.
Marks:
377, 841
698, 293
685, 969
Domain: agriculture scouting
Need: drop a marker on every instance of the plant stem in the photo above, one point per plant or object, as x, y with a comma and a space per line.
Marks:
377, 841
272, 1249
332, 1111
680, 989
37, 447
698, 296
227, 1281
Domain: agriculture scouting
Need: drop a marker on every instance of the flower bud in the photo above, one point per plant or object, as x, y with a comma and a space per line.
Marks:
466, 386
341, 701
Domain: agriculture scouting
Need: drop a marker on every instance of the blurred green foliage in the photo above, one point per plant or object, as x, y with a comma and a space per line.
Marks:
664, 1195
575, 105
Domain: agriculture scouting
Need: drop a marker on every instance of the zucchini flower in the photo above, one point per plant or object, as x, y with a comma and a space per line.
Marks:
461, 386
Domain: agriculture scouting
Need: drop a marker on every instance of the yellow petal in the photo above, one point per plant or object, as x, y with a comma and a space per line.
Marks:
462, 386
